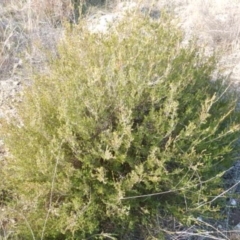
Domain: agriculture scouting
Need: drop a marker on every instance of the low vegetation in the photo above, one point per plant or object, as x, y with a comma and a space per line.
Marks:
125, 128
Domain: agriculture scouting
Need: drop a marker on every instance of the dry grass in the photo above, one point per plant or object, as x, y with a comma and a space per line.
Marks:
53, 12
216, 25
25, 23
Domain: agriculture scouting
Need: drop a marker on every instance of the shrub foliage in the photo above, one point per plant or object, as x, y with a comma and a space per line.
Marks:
124, 126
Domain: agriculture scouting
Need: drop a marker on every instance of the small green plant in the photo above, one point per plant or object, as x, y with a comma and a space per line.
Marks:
124, 126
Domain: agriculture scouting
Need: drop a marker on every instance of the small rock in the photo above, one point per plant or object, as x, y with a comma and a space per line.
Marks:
237, 227
233, 202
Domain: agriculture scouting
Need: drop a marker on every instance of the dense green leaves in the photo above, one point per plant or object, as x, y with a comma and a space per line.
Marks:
119, 118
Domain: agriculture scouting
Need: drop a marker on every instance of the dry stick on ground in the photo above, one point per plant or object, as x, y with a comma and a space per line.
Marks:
220, 195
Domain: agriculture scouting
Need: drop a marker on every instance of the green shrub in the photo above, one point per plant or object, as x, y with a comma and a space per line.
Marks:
119, 115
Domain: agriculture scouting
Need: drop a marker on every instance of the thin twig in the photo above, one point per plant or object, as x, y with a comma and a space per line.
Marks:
51, 193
